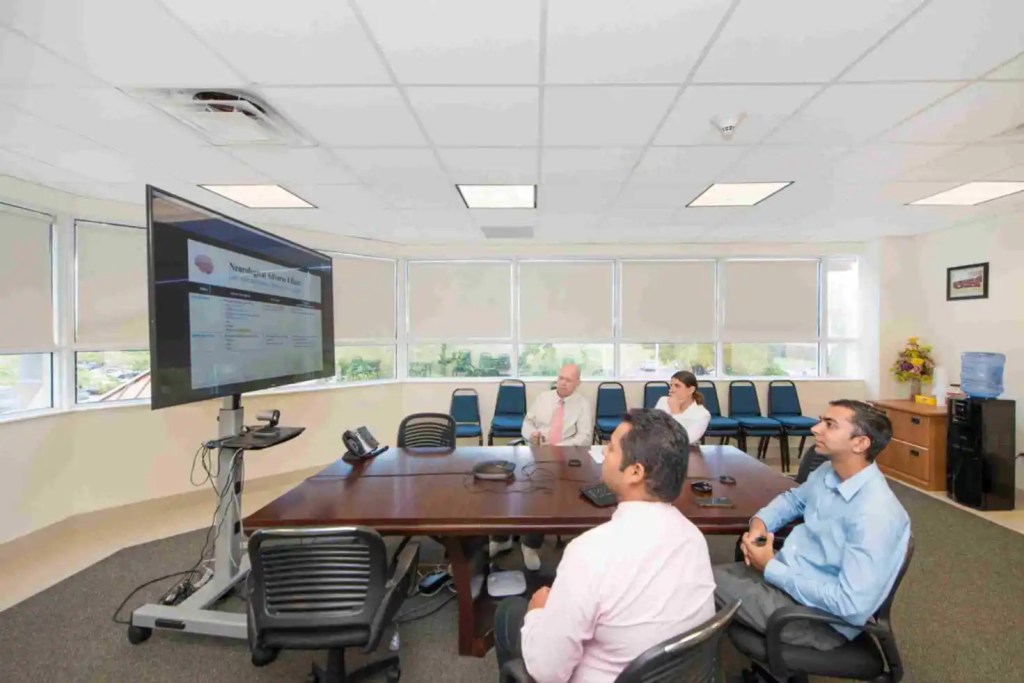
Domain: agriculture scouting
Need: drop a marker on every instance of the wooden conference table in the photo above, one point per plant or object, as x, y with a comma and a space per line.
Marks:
429, 492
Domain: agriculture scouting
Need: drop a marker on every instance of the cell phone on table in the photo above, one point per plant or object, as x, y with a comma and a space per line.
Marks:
716, 502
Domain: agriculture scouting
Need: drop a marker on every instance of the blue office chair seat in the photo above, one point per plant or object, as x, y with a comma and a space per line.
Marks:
506, 422
751, 423
796, 422
723, 423
608, 424
463, 430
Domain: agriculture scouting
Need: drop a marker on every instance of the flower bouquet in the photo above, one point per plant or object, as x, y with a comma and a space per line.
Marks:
915, 365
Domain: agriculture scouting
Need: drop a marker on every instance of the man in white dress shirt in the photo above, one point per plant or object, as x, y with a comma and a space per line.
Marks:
627, 585
560, 417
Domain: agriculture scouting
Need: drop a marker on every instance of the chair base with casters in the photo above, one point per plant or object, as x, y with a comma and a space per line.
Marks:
335, 671
871, 656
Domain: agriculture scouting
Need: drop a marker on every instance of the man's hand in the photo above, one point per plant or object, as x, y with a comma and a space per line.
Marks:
758, 556
536, 438
757, 528
539, 599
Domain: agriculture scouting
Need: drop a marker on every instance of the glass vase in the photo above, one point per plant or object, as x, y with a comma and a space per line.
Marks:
915, 388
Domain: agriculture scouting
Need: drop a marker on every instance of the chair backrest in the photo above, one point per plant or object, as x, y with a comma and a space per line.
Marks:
882, 613
511, 398
427, 430
743, 399
709, 391
810, 461
611, 399
691, 657
465, 406
328, 582
783, 398
654, 391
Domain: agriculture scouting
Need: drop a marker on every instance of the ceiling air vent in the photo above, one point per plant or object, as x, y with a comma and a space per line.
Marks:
225, 117
522, 232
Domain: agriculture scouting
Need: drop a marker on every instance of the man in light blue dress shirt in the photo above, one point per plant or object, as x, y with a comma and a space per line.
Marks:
846, 554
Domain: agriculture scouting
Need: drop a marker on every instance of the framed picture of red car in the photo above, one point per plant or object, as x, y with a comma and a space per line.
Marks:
967, 282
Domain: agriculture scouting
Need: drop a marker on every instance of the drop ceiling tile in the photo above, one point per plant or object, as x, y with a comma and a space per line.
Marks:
604, 165
782, 163
342, 199
272, 43
458, 41
575, 197
975, 113
491, 165
206, 166
797, 41
130, 193
354, 116
478, 116
592, 41
686, 164
948, 39
882, 161
633, 218
604, 116
969, 163
419, 193
156, 51
384, 165
759, 108
27, 168
503, 217
23, 63
1012, 70
637, 195
850, 113
1015, 173
294, 165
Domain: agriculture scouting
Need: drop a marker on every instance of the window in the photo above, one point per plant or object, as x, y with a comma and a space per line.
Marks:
569, 300
770, 360
460, 359
26, 382
596, 361
842, 317
104, 376
365, 318
27, 336
661, 361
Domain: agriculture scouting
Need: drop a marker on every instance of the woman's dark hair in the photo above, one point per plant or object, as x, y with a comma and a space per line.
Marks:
661, 445
690, 380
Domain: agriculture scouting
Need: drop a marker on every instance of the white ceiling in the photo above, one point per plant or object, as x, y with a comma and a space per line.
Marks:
605, 104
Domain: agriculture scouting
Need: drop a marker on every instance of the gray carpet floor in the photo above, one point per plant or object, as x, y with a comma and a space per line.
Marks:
959, 616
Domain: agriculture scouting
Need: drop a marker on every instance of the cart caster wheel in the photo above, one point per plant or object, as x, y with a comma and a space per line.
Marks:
262, 656
138, 634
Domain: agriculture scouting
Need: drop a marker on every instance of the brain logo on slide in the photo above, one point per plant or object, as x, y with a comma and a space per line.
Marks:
204, 263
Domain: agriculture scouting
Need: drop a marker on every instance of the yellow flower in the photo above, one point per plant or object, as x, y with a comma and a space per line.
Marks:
912, 340
917, 362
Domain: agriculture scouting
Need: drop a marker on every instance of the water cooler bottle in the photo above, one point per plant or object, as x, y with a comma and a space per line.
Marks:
980, 453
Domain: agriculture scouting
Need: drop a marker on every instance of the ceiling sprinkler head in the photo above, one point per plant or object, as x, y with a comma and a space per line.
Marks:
726, 125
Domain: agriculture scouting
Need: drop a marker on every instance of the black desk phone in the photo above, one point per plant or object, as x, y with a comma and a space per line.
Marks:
360, 443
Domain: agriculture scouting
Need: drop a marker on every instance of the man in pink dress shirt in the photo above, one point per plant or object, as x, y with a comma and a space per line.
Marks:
627, 585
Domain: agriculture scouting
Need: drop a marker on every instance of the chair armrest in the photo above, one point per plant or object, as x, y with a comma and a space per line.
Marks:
785, 615
395, 591
514, 671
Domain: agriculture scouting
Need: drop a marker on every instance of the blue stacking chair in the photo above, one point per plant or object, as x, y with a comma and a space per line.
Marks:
654, 391
509, 411
745, 408
723, 427
465, 410
611, 406
784, 406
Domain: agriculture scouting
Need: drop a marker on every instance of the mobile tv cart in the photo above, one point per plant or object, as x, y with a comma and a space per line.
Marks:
197, 613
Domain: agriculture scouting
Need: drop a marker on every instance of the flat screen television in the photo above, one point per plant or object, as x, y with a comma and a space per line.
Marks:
232, 308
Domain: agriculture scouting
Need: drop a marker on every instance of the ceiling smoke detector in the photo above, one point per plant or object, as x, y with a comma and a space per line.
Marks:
225, 117
726, 125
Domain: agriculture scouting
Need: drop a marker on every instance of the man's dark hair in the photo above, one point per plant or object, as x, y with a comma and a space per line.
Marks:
661, 445
870, 422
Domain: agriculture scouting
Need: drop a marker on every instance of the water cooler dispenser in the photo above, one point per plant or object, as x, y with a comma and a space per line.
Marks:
980, 452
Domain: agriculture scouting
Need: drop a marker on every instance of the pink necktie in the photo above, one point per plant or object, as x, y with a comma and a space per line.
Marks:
557, 422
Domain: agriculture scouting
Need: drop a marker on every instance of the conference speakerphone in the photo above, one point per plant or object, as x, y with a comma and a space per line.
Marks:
495, 470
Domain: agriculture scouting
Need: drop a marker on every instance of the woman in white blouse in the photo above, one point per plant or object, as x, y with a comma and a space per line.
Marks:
686, 405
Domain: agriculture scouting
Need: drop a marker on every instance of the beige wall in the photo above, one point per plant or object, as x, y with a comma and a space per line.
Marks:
85, 460
914, 282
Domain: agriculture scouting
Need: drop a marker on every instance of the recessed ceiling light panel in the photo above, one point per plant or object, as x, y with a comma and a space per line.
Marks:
971, 194
737, 194
499, 196
260, 196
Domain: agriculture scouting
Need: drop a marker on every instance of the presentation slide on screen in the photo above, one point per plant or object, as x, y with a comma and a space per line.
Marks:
250, 319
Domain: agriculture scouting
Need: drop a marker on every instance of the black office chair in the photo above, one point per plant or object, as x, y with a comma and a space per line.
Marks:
325, 589
811, 461
871, 656
691, 657
427, 430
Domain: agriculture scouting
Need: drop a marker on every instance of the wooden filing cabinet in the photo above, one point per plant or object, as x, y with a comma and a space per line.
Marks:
917, 452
